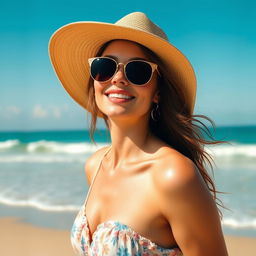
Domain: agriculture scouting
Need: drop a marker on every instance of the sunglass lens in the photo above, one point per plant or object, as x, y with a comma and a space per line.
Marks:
138, 72
102, 69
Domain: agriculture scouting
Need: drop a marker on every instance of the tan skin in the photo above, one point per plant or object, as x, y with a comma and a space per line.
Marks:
143, 182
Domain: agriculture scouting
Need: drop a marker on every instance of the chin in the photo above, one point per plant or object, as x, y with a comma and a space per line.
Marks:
116, 115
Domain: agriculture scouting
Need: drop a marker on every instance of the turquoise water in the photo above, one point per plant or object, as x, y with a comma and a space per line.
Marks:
59, 136
44, 172
239, 134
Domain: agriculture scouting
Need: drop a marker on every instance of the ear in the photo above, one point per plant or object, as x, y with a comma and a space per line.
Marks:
156, 97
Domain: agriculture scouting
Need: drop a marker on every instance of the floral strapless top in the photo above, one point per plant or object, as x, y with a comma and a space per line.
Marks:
113, 238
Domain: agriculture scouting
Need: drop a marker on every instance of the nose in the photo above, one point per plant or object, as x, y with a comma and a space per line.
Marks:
119, 77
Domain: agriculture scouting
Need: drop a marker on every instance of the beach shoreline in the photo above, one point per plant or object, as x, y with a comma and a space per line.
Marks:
24, 239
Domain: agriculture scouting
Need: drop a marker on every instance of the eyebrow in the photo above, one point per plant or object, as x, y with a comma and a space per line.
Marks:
134, 58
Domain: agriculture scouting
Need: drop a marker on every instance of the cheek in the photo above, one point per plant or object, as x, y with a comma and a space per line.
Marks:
96, 86
147, 97
97, 92
152, 88
99, 96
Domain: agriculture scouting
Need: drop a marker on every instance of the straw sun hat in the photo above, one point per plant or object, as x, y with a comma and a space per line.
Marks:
72, 45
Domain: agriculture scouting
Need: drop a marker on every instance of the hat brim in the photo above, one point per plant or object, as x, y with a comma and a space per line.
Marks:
72, 45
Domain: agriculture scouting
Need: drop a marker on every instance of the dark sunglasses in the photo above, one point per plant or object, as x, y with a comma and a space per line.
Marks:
137, 72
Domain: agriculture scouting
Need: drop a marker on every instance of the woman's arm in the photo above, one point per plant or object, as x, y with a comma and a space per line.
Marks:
190, 209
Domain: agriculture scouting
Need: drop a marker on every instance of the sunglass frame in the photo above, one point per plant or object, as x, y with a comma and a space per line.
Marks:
152, 65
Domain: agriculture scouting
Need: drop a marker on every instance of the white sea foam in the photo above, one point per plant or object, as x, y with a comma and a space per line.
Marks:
44, 146
8, 144
236, 155
39, 205
59, 147
52, 151
40, 158
234, 150
240, 223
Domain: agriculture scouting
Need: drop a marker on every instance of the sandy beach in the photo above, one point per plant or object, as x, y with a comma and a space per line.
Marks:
23, 239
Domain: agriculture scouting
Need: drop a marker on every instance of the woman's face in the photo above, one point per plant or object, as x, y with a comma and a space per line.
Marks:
142, 97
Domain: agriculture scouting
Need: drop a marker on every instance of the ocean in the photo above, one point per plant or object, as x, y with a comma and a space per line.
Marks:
42, 178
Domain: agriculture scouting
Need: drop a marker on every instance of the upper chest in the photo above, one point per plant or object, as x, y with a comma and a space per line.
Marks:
128, 196
128, 187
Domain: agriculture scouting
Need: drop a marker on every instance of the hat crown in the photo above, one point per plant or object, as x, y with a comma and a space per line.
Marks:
138, 20
71, 45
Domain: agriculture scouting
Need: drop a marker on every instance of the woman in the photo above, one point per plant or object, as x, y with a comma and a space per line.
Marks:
149, 191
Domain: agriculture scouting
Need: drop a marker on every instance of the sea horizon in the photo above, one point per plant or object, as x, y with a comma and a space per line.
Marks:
103, 128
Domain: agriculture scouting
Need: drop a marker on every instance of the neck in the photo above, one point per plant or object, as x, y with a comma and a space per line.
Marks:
129, 141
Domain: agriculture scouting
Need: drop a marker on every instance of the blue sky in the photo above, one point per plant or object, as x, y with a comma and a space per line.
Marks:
218, 37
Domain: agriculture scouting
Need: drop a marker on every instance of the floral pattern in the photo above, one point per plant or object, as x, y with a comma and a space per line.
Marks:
113, 238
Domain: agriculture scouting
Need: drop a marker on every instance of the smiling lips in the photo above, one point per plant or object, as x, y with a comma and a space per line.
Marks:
119, 95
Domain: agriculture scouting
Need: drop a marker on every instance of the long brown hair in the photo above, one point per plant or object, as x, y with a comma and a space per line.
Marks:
175, 125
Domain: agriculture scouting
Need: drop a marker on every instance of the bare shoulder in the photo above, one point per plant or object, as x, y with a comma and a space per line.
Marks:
92, 163
187, 204
175, 171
